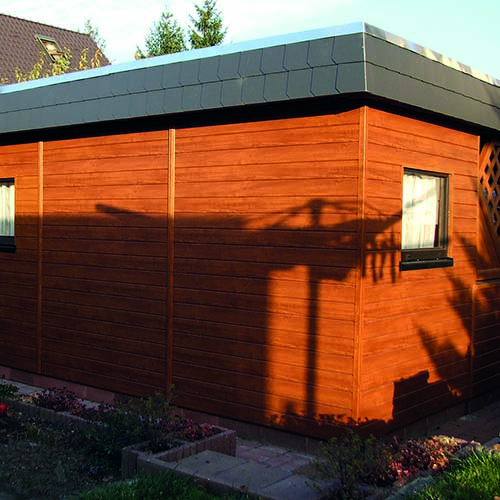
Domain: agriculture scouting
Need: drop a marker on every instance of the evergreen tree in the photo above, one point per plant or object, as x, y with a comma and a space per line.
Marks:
166, 37
207, 29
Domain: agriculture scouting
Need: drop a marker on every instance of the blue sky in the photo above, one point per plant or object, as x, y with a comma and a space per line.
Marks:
464, 30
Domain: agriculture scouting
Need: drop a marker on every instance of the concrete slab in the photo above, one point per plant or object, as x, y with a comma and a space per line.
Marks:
251, 476
206, 465
295, 487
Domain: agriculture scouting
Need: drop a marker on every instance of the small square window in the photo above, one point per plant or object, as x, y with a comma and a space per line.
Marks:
424, 241
7, 215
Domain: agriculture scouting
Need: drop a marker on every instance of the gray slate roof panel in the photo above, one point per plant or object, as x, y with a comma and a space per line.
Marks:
275, 86
296, 56
231, 92
349, 49
250, 63
324, 79
209, 70
351, 78
340, 60
320, 52
273, 60
211, 95
299, 84
228, 67
252, 91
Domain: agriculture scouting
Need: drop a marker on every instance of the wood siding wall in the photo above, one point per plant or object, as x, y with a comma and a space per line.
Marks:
266, 258
486, 346
19, 271
102, 294
417, 325
288, 305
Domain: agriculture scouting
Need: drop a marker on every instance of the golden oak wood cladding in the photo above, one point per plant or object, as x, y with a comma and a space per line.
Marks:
265, 268
104, 261
19, 271
417, 325
289, 307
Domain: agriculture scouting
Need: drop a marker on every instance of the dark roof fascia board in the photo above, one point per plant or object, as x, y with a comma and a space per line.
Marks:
352, 59
399, 74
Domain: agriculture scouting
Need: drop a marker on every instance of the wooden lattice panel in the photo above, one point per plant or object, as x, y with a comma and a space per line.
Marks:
489, 176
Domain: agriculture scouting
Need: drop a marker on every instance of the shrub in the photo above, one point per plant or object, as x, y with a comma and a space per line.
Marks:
59, 399
7, 390
351, 462
348, 461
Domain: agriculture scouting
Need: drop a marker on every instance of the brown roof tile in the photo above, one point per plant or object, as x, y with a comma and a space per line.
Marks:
19, 47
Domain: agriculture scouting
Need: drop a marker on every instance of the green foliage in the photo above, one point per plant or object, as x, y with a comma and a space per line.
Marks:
7, 390
475, 477
166, 486
58, 399
63, 64
207, 29
348, 461
93, 31
352, 463
165, 37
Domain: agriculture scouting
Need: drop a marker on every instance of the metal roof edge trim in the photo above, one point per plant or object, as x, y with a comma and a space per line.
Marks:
429, 53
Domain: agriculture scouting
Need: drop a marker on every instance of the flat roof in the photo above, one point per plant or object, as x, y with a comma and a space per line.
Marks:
353, 58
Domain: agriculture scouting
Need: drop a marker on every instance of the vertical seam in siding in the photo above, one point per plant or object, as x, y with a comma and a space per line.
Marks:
358, 330
170, 257
472, 342
40, 262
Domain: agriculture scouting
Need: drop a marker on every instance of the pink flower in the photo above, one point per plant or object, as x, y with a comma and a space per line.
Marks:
3, 409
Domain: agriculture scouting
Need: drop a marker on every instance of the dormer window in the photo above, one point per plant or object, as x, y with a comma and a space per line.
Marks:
51, 47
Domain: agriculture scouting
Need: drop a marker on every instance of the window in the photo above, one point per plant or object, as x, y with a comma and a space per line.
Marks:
7, 215
424, 238
51, 47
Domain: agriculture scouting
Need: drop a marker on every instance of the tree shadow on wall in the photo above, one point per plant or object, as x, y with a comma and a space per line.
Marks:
257, 297
244, 283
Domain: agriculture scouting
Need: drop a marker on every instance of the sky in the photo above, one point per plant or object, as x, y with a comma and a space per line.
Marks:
463, 30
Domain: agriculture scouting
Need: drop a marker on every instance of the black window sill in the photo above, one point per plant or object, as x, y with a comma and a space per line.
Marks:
411, 265
7, 244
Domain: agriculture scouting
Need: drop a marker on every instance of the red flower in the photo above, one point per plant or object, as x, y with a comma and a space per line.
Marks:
3, 409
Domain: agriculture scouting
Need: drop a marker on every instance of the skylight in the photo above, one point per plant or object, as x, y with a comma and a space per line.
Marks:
51, 47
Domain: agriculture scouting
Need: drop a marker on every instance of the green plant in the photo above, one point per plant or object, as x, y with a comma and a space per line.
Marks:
352, 462
414, 456
7, 390
167, 486
58, 399
476, 477
348, 461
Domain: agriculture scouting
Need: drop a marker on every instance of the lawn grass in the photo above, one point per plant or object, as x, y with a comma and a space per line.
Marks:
160, 486
476, 477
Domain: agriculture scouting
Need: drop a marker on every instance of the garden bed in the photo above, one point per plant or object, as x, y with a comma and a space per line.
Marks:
133, 456
128, 430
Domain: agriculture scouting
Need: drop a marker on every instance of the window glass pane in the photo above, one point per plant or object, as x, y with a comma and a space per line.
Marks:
7, 208
421, 209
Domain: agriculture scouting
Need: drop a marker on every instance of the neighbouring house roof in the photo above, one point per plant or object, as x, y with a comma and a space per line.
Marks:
356, 59
22, 43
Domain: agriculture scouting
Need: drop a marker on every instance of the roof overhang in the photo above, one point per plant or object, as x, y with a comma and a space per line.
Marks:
346, 60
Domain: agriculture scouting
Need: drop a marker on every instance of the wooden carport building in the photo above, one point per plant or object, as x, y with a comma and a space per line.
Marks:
295, 232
